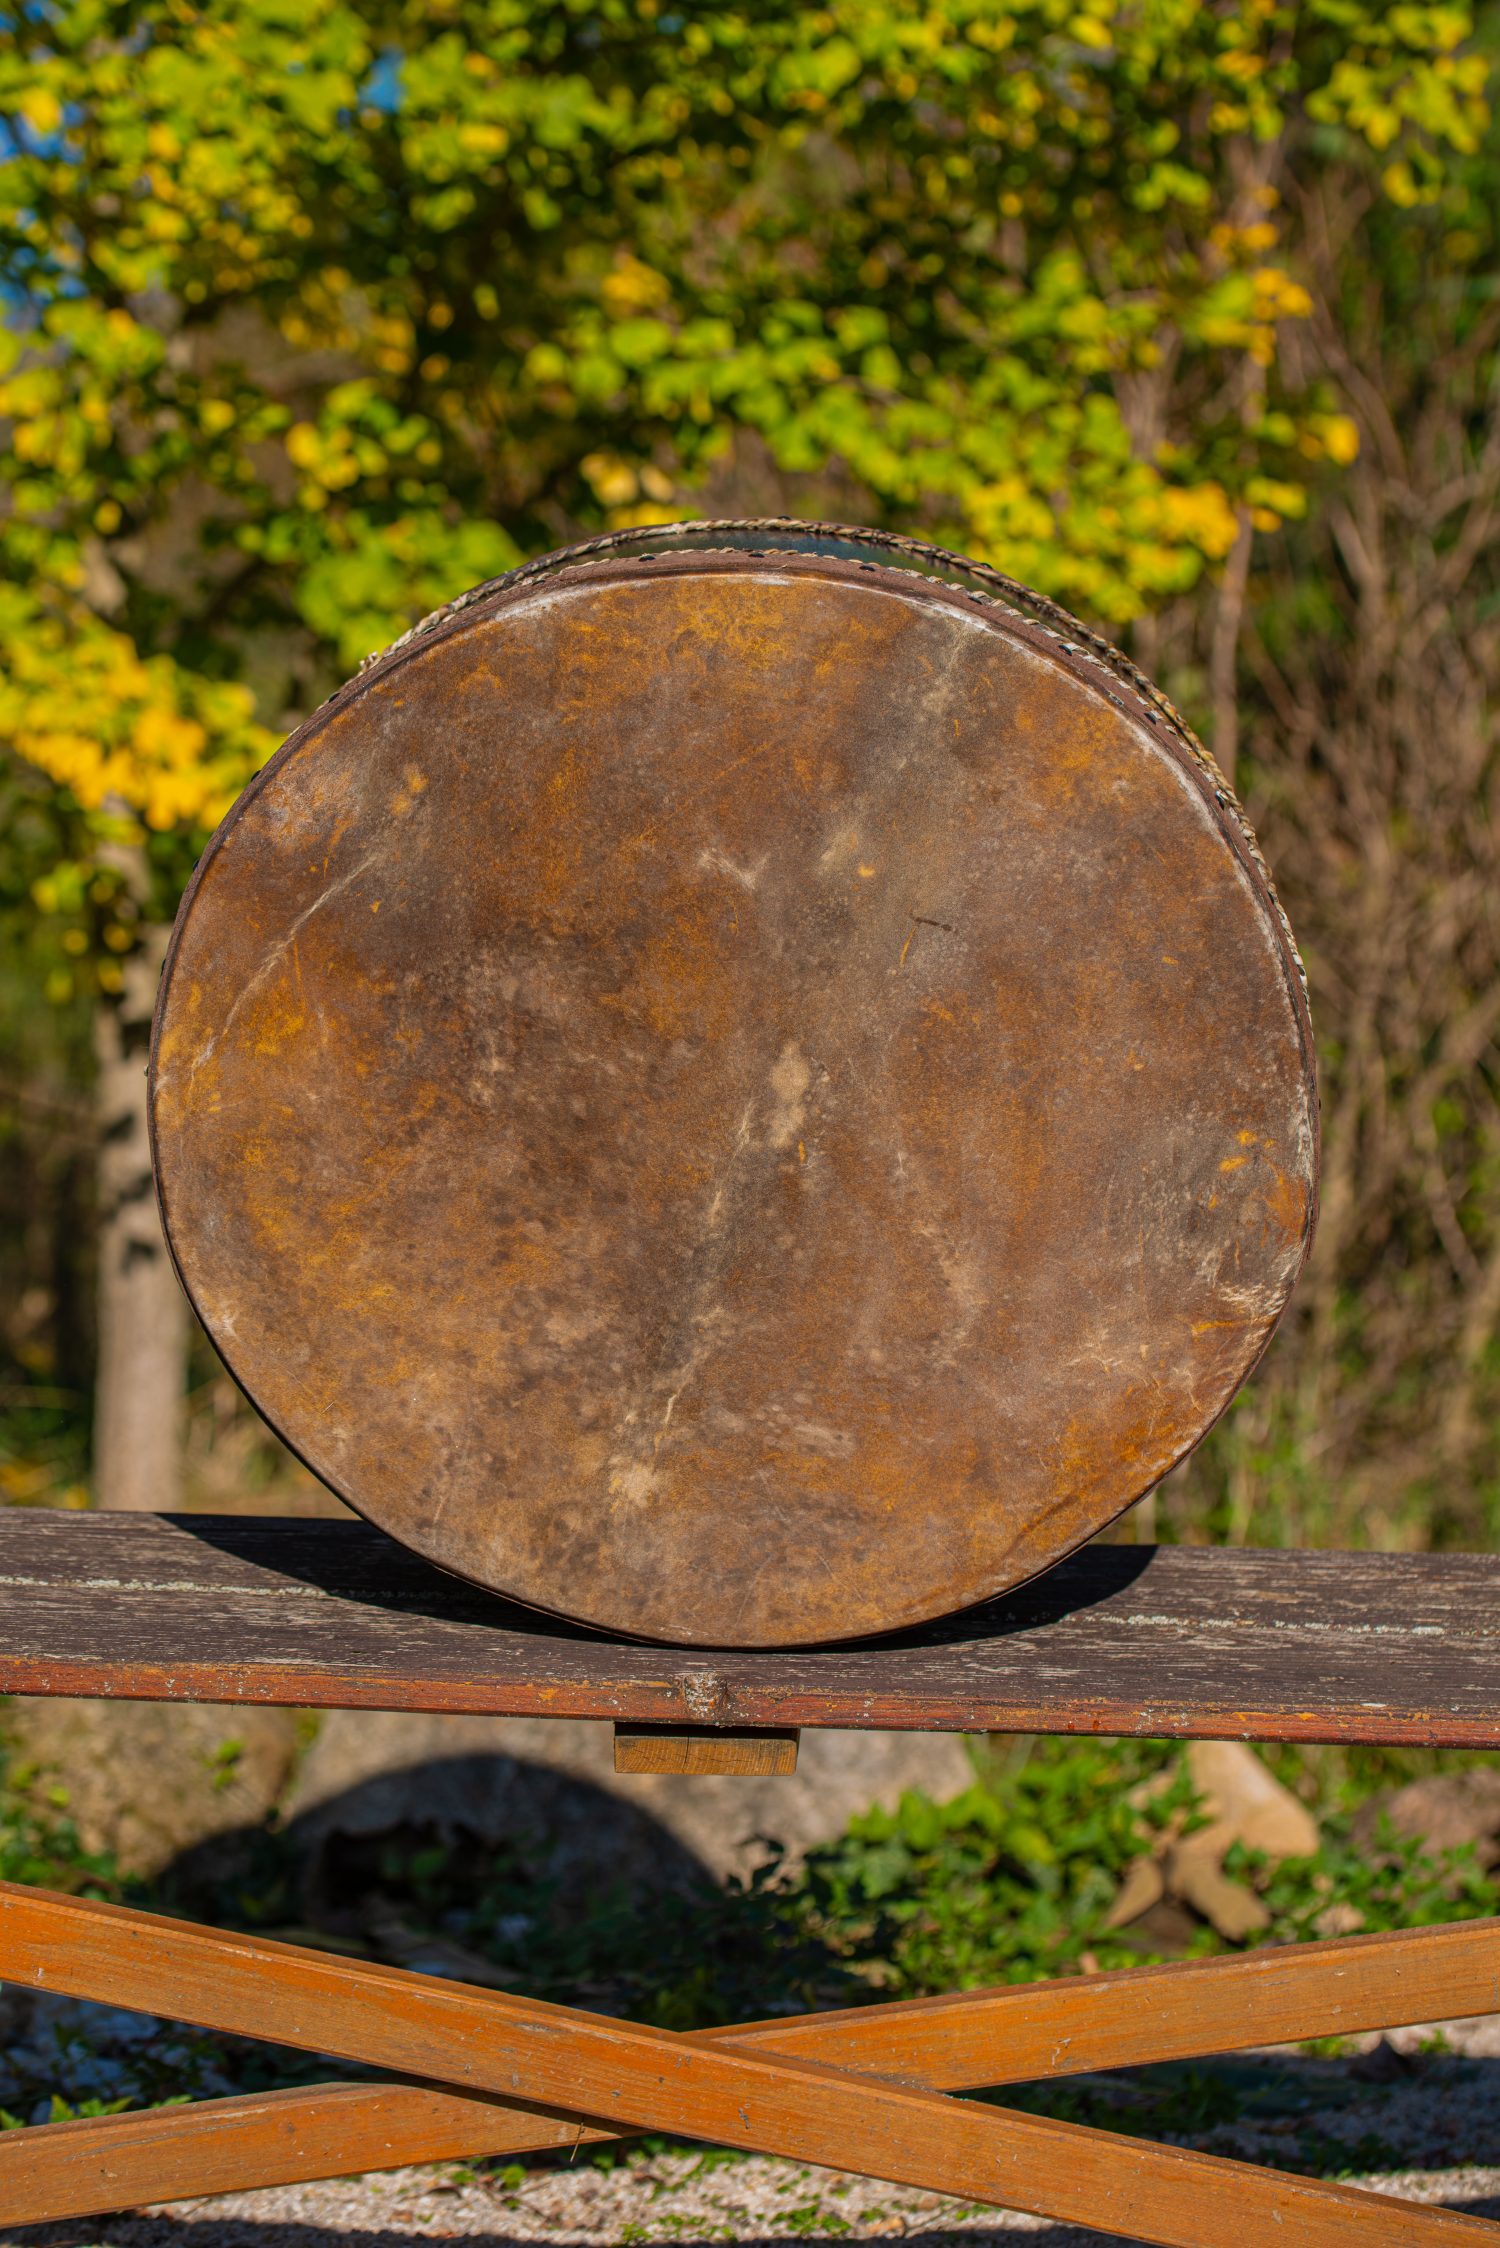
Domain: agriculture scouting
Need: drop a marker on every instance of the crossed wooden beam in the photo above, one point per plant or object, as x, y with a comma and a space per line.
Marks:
863, 2090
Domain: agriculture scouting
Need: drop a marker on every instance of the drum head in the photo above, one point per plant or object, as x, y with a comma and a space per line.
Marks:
741, 1097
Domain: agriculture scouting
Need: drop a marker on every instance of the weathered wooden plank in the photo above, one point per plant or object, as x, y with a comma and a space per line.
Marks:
1170, 1640
592, 2068
1019, 2033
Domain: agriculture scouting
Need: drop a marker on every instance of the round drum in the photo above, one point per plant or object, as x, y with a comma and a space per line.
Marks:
743, 1085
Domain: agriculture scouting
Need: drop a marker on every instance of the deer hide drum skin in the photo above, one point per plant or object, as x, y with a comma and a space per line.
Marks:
742, 1086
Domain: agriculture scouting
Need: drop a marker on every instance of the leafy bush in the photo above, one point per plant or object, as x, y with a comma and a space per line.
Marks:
39, 1843
1009, 1882
1013, 1881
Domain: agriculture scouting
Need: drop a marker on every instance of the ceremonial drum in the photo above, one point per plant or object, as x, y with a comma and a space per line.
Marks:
743, 1084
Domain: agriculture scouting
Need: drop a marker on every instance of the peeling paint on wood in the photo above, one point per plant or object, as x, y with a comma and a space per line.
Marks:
1172, 1640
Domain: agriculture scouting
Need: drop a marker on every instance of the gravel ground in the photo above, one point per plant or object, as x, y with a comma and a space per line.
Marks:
1402, 2115
669, 2198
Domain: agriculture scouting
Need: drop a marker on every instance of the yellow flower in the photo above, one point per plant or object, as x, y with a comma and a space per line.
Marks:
1278, 296
613, 480
1201, 515
1340, 435
631, 287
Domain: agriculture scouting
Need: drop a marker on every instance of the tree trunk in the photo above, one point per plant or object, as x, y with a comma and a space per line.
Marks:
1223, 661
139, 1403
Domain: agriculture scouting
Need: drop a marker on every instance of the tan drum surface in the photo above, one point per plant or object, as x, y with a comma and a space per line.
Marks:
739, 1097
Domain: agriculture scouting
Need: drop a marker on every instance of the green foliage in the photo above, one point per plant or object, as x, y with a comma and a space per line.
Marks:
39, 1845
1390, 1881
44, 1050
326, 312
1007, 1883
67, 2111
1013, 1881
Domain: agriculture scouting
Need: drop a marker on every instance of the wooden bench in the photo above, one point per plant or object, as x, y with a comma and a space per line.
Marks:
1173, 1641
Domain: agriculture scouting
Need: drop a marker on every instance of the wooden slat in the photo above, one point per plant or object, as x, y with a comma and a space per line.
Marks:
1021, 2033
590, 2067
706, 1749
89, 2168
1170, 1640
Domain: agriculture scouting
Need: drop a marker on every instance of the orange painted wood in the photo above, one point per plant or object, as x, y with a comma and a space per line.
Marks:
1184, 2010
767, 1755
1191, 1642
88, 2168
1019, 2033
587, 2067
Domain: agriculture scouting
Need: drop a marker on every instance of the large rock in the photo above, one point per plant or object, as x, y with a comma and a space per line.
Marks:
375, 1773
1442, 1812
1244, 1803
1248, 1804
155, 1785
369, 1772
149, 1782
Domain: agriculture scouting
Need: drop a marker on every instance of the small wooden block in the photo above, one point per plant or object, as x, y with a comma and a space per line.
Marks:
767, 1753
